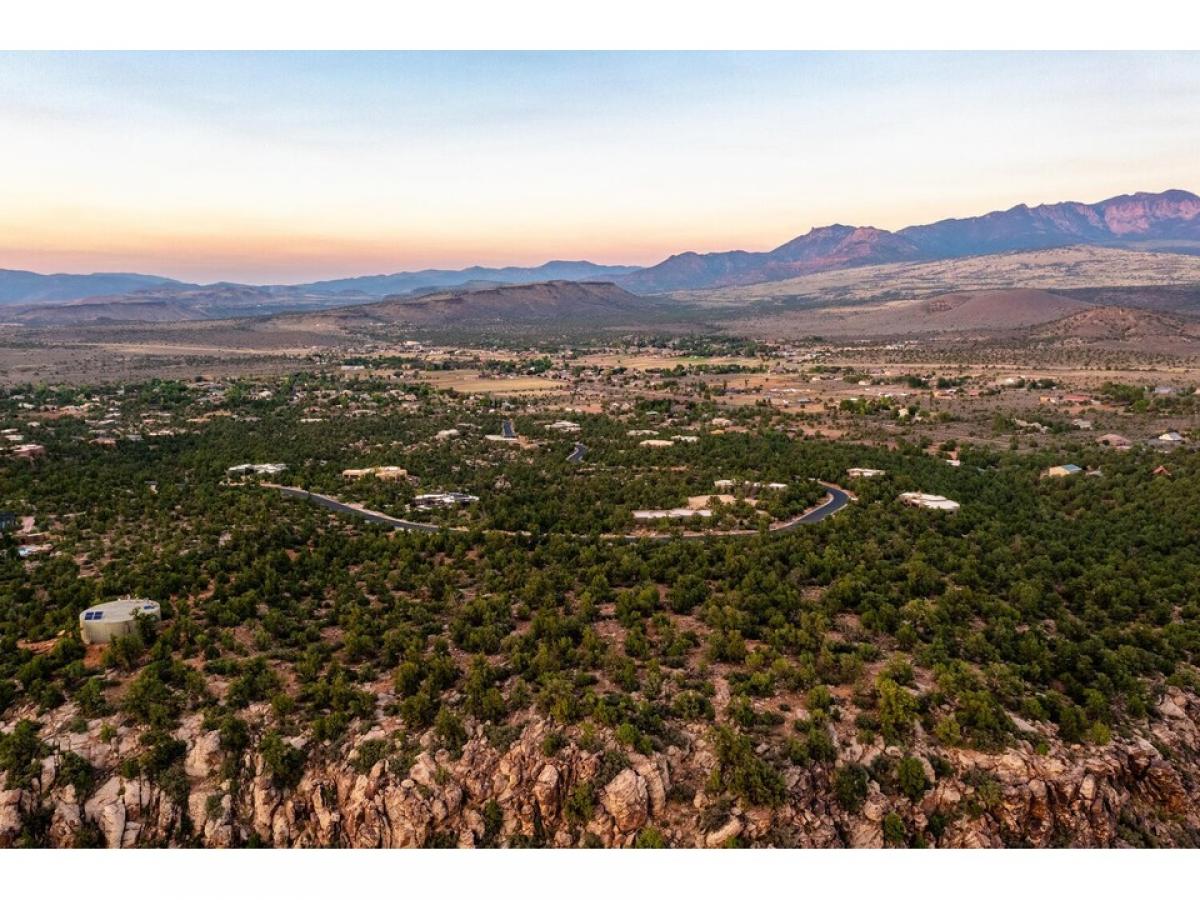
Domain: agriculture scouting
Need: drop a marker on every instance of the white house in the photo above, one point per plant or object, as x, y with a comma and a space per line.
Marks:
928, 501
100, 624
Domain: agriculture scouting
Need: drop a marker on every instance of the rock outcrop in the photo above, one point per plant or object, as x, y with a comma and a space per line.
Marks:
1137, 790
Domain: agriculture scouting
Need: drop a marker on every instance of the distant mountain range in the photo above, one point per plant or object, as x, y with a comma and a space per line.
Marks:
29, 287
407, 282
543, 303
18, 287
1167, 221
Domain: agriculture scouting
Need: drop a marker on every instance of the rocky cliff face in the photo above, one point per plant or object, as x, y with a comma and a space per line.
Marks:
1141, 789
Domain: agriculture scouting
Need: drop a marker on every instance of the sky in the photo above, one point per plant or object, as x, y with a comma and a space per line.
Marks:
290, 167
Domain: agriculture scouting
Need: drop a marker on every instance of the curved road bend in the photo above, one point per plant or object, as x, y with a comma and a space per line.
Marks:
577, 453
835, 500
507, 430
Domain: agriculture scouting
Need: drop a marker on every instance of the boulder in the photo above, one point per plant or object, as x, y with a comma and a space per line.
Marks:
627, 800
727, 832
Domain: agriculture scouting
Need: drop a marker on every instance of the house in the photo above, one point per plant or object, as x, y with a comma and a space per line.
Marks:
100, 624
1062, 471
1162, 471
564, 426
1171, 437
1082, 424
929, 501
685, 438
720, 422
447, 433
651, 442
257, 469
724, 484
29, 451
680, 513
858, 472
1115, 441
444, 499
383, 473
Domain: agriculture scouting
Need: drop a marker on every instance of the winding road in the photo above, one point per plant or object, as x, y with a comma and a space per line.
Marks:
835, 499
577, 453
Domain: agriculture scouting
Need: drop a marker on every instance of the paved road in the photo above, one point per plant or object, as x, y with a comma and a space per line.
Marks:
376, 518
835, 499
577, 453
507, 430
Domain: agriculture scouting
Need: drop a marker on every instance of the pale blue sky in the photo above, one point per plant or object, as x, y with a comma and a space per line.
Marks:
291, 166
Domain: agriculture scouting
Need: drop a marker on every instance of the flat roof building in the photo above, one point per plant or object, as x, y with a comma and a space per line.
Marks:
681, 513
105, 621
1116, 441
928, 501
383, 473
1062, 471
257, 469
443, 498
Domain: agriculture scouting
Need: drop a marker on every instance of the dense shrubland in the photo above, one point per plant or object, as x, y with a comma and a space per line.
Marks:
1065, 603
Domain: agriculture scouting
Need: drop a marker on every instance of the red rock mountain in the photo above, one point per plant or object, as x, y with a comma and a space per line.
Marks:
1172, 216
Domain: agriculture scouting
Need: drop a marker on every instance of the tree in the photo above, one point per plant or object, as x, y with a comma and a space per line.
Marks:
741, 771
850, 784
897, 710
910, 777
